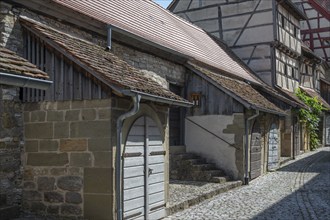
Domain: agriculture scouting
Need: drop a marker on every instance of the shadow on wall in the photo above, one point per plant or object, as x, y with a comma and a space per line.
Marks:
310, 199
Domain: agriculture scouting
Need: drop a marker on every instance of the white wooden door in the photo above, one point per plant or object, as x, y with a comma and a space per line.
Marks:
327, 130
143, 183
255, 152
273, 142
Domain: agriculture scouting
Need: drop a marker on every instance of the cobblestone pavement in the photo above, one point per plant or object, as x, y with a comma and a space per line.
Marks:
187, 193
298, 190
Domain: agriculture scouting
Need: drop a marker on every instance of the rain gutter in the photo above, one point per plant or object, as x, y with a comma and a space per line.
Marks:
118, 162
24, 81
159, 99
246, 156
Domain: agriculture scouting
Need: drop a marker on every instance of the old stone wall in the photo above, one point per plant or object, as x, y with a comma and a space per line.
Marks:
68, 167
10, 30
11, 122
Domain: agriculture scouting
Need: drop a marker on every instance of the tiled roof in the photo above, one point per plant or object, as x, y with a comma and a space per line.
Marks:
312, 93
104, 64
11, 63
148, 20
240, 89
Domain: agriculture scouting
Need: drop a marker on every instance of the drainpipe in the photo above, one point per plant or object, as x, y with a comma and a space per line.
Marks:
247, 125
109, 37
120, 120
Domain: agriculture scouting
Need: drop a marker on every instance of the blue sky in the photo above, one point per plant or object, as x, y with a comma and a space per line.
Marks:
163, 3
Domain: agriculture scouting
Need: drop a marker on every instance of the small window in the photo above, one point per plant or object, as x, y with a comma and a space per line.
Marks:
283, 21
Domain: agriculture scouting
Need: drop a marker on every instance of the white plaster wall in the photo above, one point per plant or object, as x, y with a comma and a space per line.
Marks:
210, 147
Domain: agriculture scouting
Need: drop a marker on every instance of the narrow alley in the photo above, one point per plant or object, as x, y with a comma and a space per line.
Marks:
298, 190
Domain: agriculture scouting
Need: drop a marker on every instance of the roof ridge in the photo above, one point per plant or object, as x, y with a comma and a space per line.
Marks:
24, 18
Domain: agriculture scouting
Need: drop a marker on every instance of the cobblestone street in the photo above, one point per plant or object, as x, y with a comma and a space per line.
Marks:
298, 190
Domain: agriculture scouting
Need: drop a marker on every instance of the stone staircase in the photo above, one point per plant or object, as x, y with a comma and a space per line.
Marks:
189, 166
7, 212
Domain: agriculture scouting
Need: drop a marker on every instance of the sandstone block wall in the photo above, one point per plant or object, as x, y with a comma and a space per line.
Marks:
68, 159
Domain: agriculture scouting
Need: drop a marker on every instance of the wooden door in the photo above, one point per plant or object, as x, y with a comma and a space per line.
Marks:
273, 142
143, 172
296, 140
327, 130
255, 152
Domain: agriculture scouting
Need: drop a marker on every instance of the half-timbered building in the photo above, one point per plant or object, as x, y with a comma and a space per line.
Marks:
266, 36
315, 32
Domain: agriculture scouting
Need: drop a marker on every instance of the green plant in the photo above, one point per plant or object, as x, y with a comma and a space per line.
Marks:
311, 117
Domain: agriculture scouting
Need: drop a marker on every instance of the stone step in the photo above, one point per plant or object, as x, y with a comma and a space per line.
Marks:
201, 167
9, 212
219, 179
3, 200
194, 161
184, 156
205, 175
179, 149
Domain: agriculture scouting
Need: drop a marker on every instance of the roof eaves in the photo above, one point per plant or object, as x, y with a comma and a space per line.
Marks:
269, 111
288, 4
164, 100
240, 100
312, 93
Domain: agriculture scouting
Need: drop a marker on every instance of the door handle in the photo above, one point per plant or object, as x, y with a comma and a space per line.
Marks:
150, 171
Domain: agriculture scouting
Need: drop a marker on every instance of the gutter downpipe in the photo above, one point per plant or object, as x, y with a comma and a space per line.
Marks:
247, 125
120, 120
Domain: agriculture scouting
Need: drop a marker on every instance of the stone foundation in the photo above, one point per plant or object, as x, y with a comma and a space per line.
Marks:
68, 159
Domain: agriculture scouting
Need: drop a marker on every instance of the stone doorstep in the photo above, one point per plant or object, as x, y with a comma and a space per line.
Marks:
9, 212
202, 197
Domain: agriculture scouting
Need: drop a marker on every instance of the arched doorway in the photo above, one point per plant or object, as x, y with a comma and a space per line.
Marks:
143, 171
273, 147
255, 152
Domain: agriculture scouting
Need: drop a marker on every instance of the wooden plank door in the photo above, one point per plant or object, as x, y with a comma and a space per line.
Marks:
327, 130
143, 172
273, 142
296, 133
255, 152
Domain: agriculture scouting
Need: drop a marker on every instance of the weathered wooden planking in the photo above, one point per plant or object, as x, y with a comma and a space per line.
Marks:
158, 214
135, 214
133, 182
131, 172
133, 193
133, 161
213, 100
156, 187
69, 81
156, 197
134, 204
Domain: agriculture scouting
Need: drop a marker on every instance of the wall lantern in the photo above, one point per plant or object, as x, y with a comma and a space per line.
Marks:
195, 98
